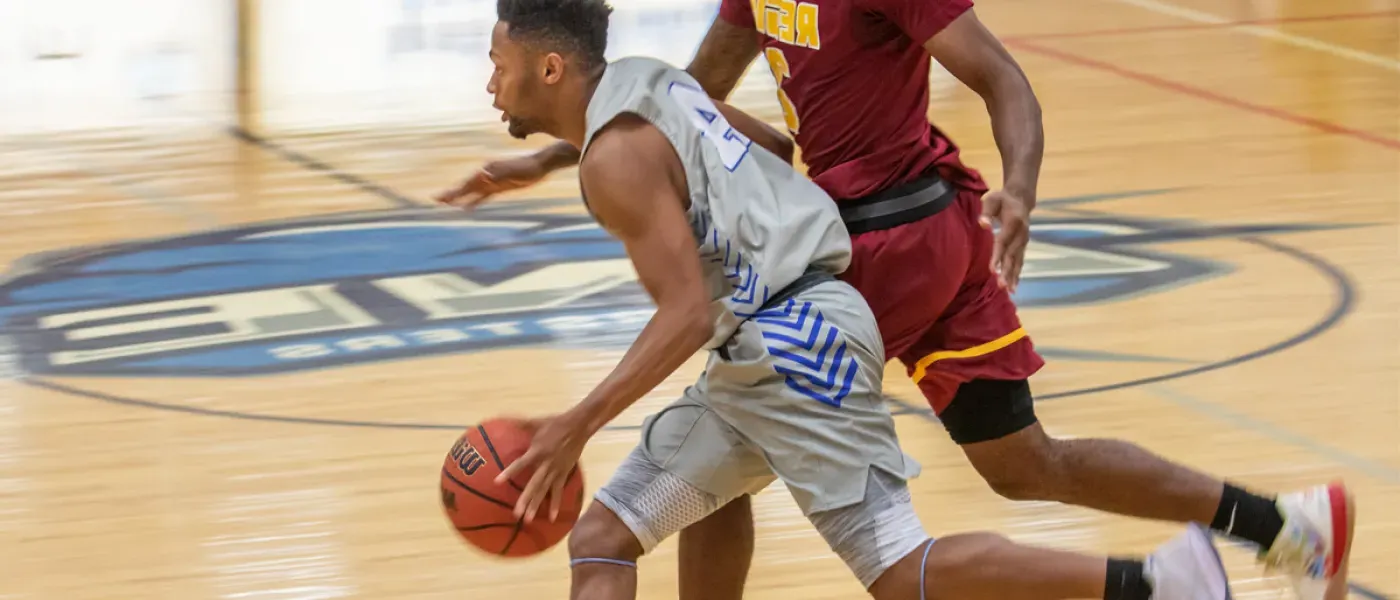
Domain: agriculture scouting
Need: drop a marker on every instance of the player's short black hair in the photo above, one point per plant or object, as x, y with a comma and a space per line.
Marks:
571, 27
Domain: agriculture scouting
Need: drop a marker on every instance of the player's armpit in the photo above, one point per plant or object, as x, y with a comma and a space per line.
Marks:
758, 132
724, 56
633, 182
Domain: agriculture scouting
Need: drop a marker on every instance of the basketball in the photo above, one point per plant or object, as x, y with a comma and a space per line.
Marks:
482, 511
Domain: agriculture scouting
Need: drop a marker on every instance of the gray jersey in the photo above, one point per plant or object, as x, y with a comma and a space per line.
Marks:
759, 222
794, 392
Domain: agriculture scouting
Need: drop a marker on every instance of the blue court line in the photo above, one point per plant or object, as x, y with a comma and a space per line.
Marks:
1090, 198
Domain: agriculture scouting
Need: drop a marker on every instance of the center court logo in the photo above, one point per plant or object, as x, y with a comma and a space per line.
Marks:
376, 286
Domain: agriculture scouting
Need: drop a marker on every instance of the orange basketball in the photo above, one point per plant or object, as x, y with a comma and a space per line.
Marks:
482, 511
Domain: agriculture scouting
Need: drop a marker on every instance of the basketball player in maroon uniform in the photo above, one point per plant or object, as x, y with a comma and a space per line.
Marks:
853, 82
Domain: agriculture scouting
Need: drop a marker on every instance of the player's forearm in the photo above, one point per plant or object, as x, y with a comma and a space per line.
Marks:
671, 337
1019, 133
559, 155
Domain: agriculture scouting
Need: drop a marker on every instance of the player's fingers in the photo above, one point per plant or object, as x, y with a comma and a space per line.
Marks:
538, 489
527, 495
471, 200
991, 209
998, 250
1017, 259
516, 466
450, 196
556, 497
1011, 271
1013, 275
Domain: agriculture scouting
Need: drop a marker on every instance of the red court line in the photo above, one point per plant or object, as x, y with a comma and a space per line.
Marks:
1205, 94
1203, 26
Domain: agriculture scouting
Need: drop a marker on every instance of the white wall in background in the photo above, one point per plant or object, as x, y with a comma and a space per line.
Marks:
329, 64
80, 64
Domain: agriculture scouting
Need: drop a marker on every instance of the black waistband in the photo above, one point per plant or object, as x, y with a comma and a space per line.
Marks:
813, 277
923, 197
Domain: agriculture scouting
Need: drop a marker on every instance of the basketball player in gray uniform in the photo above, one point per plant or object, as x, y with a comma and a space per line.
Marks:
740, 251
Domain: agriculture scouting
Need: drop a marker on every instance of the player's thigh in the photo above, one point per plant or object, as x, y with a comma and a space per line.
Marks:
687, 465
876, 533
802, 385
979, 335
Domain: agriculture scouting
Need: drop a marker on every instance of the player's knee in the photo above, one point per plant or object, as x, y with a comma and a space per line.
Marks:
1025, 465
947, 569
1034, 473
601, 534
1014, 485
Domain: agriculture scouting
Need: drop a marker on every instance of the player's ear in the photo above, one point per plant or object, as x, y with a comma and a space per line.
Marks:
553, 68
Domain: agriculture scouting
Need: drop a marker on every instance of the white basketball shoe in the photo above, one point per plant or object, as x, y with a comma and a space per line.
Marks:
1188, 567
1314, 547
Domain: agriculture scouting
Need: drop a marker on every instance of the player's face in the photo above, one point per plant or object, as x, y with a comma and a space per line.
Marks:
515, 83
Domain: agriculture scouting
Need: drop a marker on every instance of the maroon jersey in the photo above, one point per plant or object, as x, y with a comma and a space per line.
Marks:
853, 81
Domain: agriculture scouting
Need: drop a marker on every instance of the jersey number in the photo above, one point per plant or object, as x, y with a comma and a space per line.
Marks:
777, 62
731, 144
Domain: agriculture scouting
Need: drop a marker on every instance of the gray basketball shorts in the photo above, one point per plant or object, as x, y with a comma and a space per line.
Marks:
794, 396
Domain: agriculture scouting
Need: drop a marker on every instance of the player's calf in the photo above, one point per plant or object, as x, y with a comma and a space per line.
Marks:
1304, 534
603, 553
882, 541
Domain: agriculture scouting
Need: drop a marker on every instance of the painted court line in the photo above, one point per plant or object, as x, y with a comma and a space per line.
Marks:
1376, 469
1205, 94
1190, 14
1208, 26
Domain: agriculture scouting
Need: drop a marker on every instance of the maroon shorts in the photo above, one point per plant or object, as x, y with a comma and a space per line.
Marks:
940, 309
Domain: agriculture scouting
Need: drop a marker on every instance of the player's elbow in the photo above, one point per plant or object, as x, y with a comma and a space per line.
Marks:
1008, 85
698, 326
784, 147
690, 319
776, 143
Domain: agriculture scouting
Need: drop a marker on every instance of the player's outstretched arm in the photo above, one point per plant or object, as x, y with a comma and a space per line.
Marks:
633, 182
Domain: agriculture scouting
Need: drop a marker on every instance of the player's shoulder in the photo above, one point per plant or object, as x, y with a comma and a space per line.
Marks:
645, 70
639, 64
627, 142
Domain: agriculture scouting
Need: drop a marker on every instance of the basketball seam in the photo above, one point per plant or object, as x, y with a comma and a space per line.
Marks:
448, 474
514, 535
484, 527
496, 457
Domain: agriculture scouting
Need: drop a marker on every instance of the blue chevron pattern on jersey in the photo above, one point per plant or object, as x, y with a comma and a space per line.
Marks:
746, 298
807, 351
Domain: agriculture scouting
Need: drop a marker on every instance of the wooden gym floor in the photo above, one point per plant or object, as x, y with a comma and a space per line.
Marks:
188, 410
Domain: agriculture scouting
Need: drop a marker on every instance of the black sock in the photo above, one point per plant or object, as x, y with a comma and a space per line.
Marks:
1247, 516
1126, 581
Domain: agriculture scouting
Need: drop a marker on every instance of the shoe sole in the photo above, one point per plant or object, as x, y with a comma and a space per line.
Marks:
1343, 530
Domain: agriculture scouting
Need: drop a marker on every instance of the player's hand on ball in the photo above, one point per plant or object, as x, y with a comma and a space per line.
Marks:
494, 178
554, 451
1011, 214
